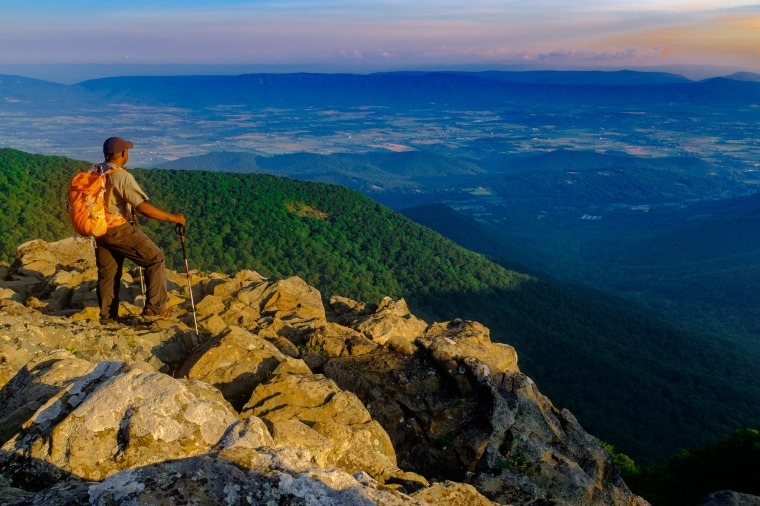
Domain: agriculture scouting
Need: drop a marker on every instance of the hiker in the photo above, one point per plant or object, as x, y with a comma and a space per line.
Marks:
123, 239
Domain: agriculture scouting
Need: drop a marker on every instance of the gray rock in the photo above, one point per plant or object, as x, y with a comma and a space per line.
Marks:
730, 498
92, 420
232, 477
250, 432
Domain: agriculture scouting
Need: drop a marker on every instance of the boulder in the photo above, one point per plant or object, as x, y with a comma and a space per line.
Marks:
390, 320
294, 433
358, 447
333, 340
310, 398
213, 325
66, 416
454, 343
288, 299
235, 363
25, 286
209, 306
227, 288
9, 294
308, 411
348, 311
39, 258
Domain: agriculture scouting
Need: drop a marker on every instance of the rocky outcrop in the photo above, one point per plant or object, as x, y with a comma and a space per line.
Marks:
279, 400
730, 498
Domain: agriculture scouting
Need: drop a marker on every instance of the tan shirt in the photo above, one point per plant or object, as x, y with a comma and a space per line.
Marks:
123, 193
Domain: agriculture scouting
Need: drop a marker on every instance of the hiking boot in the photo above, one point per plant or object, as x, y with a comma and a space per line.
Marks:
113, 320
149, 314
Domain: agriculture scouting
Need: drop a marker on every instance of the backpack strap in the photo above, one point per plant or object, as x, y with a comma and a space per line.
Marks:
104, 169
114, 219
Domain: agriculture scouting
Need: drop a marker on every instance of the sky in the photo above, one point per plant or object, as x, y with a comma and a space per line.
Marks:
364, 36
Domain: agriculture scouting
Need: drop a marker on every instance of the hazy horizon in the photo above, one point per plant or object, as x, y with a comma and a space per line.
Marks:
73, 73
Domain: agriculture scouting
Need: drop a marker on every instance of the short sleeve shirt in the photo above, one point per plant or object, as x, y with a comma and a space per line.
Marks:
123, 193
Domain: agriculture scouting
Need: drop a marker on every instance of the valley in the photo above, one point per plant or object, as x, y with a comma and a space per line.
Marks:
531, 121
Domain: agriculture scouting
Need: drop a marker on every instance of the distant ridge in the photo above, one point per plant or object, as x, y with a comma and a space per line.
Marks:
622, 89
745, 76
38, 94
587, 78
218, 161
418, 89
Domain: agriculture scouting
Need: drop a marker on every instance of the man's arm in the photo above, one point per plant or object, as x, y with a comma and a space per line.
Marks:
155, 213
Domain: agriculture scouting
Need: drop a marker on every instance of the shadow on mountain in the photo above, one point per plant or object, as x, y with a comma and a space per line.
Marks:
655, 376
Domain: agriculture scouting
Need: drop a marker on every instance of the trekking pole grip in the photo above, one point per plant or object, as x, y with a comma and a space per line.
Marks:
181, 232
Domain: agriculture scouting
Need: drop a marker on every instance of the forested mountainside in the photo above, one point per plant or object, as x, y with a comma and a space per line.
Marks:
631, 377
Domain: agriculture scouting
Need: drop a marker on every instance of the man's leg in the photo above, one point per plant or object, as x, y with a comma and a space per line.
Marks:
155, 276
109, 280
129, 242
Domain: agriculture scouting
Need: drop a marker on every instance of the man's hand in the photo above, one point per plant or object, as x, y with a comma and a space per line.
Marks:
179, 219
155, 213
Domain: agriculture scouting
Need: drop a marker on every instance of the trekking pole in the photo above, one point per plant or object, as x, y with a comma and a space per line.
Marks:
142, 282
181, 232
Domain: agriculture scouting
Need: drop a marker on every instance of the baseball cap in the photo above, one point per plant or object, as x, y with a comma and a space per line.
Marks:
115, 145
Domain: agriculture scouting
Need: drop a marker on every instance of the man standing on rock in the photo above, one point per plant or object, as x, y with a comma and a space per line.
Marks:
124, 240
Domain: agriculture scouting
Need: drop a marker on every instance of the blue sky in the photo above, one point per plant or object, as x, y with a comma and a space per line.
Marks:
367, 35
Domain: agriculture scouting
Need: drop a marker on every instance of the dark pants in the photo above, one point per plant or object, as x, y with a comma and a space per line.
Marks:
126, 241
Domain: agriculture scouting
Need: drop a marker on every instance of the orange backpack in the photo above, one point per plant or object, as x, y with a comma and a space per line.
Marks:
87, 208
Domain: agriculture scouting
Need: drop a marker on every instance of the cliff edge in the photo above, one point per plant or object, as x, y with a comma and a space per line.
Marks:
283, 398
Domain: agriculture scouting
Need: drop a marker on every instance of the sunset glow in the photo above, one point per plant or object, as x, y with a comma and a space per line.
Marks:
384, 35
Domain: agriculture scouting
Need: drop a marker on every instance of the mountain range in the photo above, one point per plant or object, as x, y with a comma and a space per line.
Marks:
627, 88
462, 89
